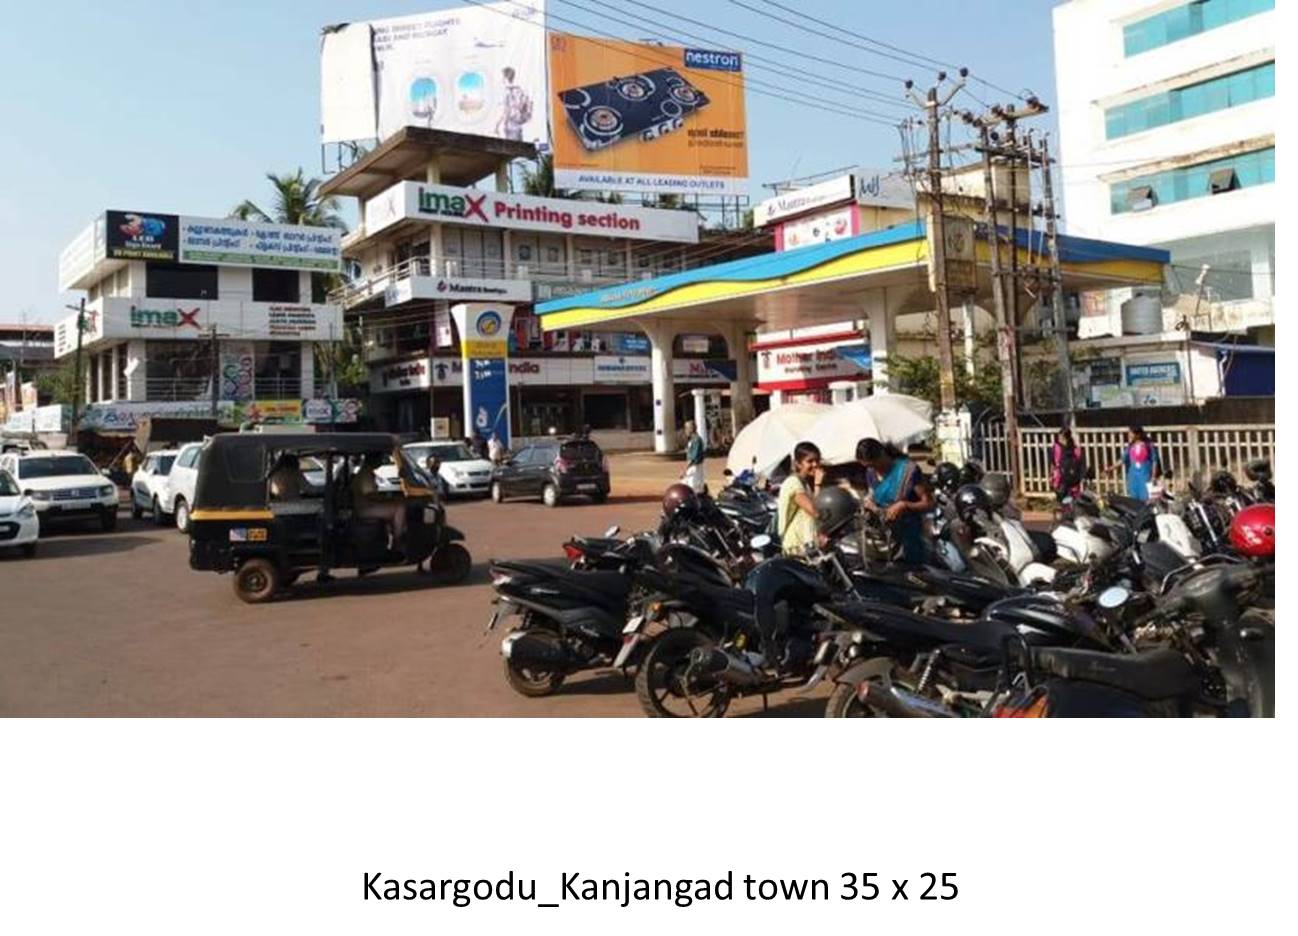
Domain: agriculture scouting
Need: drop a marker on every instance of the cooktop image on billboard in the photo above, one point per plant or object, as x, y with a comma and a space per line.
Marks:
646, 105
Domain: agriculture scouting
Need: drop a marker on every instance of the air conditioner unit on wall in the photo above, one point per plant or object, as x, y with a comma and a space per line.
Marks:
1141, 198
1222, 180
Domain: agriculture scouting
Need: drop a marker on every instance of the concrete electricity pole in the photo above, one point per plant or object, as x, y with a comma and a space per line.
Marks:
1056, 280
76, 368
932, 104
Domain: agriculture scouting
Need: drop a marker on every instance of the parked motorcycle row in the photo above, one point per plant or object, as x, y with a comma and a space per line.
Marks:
1158, 608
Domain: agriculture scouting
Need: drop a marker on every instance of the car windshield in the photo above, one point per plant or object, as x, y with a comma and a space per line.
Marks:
7, 486
449, 452
53, 466
164, 464
310, 463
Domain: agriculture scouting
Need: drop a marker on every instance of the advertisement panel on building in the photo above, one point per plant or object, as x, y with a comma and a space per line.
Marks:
800, 201
415, 200
484, 349
822, 228
130, 235
629, 116
237, 369
811, 364
230, 242
474, 69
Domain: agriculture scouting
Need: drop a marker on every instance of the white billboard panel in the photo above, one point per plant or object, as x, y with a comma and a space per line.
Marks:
477, 69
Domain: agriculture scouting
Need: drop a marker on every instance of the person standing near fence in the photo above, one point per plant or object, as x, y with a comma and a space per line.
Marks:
1140, 458
1067, 466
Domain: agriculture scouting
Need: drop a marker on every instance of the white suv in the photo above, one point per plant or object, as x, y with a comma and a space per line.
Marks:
149, 485
63, 485
20, 528
181, 481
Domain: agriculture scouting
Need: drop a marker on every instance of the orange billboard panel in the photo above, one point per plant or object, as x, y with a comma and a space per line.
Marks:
627, 116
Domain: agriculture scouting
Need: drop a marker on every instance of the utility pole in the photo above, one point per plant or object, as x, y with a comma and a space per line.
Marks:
1056, 281
932, 104
76, 370
216, 368
1006, 334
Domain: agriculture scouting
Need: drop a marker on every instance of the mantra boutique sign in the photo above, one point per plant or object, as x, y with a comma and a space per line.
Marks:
415, 200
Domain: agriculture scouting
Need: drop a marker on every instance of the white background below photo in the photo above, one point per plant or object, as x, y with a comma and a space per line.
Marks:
259, 826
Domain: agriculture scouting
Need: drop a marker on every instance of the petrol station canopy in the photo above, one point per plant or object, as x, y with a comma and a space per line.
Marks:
830, 282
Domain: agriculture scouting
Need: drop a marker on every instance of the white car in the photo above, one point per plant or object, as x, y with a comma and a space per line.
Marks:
460, 471
20, 528
149, 485
178, 498
64, 485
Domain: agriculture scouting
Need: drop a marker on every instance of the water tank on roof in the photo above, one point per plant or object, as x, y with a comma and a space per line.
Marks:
1142, 315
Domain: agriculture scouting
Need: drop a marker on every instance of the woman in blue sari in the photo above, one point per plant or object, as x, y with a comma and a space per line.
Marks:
900, 490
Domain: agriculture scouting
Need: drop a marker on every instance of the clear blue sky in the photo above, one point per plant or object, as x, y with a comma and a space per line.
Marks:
185, 106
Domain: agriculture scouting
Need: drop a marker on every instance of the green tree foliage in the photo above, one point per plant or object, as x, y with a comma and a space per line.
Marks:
297, 200
920, 377
59, 385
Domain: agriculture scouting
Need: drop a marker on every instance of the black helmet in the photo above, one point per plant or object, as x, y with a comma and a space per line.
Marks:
835, 510
970, 499
1259, 469
1223, 482
971, 473
997, 487
946, 477
679, 497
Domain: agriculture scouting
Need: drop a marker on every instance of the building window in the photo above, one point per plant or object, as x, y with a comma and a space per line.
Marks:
279, 371
1229, 279
178, 370
1243, 170
605, 410
271, 285
1187, 20
180, 281
1205, 97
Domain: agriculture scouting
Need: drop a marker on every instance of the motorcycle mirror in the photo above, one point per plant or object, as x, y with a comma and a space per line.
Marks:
760, 541
612, 531
1113, 597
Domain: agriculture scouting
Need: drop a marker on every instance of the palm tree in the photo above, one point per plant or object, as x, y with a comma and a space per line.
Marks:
297, 201
540, 181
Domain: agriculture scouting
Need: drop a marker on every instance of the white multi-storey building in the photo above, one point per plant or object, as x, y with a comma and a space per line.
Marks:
195, 317
1167, 115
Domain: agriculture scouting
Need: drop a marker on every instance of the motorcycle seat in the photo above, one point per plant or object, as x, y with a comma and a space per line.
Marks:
1151, 674
895, 624
611, 584
1125, 506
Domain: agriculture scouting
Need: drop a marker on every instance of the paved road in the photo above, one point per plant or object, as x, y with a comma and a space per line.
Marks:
117, 624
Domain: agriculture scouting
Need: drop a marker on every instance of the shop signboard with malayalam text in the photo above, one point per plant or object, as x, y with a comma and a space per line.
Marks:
476, 208
231, 242
484, 348
474, 69
638, 117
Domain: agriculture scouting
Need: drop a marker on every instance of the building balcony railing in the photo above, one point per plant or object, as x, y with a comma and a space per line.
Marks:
541, 274
186, 389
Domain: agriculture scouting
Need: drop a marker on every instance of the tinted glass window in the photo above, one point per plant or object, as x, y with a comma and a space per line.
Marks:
164, 463
545, 454
180, 281
269, 285
52, 466
582, 450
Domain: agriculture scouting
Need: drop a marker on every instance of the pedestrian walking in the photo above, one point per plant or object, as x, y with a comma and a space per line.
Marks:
1140, 458
695, 452
1067, 466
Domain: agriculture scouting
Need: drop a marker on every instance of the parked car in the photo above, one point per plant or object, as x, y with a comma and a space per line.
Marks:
149, 485
63, 485
460, 471
181, 481
418, 452
20, 528
552, 470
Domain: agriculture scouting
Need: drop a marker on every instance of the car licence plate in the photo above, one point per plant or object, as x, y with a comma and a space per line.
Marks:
588, 487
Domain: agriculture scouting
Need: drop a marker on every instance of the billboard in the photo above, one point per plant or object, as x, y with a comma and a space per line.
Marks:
131, 235
633, 117
231, 242
476, 69
484, 352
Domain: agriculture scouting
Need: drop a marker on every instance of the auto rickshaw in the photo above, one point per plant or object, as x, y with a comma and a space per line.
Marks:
249, 516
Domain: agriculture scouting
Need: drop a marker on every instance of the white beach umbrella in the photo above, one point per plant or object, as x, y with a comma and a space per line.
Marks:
768, 439
888, 417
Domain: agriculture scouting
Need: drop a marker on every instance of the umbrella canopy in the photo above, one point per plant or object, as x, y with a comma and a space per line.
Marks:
770, 438
888, 417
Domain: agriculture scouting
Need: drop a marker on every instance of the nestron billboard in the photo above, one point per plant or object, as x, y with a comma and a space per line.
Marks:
477, 69
646, 118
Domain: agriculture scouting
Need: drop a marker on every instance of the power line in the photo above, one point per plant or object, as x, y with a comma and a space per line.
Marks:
840, 110
872, 41
768, 64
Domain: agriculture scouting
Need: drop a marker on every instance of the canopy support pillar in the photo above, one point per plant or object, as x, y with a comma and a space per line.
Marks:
882, 330
661, 335
741, 388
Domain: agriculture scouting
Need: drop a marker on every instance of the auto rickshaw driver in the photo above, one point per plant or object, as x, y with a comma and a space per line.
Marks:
368, 503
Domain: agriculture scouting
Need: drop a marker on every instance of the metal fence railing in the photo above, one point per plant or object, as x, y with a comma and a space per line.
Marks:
1186, 450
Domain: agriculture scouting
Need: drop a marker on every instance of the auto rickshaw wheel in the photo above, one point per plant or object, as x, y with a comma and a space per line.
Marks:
256, 581
452, 564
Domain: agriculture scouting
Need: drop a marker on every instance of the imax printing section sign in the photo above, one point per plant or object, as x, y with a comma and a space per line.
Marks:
416, 200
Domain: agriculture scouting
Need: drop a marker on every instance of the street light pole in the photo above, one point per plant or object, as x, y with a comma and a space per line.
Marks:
76, 390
